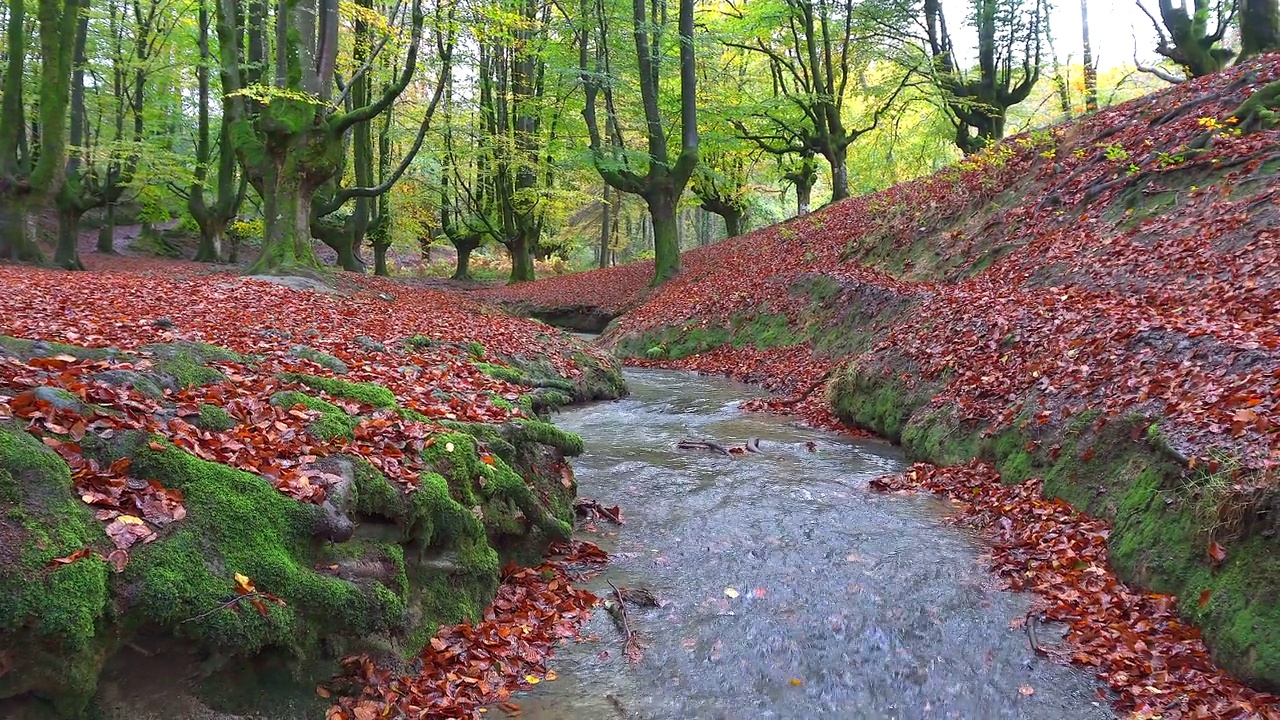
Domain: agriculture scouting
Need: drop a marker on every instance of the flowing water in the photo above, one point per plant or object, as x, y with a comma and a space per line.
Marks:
849, 604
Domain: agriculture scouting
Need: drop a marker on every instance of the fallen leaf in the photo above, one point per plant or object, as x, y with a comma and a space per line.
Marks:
1027, 690
730, 592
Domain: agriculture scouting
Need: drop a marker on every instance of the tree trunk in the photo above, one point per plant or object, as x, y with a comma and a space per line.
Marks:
733, 224
1090, 70
521, 259
605, 210
15, 244
464, 248
67, 254
380, 260
804, 195
839, 176
666, 236
107, 232
210, 248
1259, 27
286, 245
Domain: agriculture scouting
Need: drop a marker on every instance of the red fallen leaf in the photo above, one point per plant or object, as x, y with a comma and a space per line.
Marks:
486, 459
260, 606
77, 431
1204, 597
81, 553
1217, 553
244, 585
155, 446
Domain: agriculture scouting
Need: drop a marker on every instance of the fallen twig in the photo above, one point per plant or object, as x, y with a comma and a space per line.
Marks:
631, 645
592, 510
687, 444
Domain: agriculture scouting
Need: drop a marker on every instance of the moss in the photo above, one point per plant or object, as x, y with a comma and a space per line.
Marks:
879, 403
215, 418
320, 358
27, 349
547, 434
475, 350
188, 372
420, 342
53, 615
503, 372
518, 376
198, 352
332, 422
366, 393
766, 330
238, 523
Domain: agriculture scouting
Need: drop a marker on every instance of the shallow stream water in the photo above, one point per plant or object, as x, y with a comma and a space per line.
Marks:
849, 604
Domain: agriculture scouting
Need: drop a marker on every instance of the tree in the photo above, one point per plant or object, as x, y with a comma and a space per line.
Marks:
664, 181
287, 133
212, 217
811, 64
1090, 69
1259, 27
1192, 37
30, 177
1010, 37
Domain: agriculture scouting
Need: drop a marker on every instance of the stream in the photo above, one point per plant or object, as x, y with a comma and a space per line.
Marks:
849, 604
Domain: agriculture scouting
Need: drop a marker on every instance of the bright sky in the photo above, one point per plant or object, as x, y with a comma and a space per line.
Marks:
1113, 24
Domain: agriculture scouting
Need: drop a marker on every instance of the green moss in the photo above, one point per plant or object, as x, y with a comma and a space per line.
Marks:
475, 350
238, 523
366, 393
547, 434
27, 349
505, 373
878, 402
215, 418
333, 421
187, 372
53, 615
320, 358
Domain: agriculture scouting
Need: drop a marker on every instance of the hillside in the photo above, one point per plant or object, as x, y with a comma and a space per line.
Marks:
1092, 307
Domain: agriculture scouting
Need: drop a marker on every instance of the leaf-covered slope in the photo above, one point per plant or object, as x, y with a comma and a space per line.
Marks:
1095, 305
257, 470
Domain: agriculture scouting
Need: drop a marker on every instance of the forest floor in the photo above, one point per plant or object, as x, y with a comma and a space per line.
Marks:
1087, 312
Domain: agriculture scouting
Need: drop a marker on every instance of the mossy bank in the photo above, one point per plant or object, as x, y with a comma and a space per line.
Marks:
376, 568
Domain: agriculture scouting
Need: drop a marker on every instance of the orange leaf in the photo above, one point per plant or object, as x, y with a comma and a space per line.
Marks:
1204, 596
1217, 553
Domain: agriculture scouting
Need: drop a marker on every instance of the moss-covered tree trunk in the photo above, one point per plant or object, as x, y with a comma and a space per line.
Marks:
212, 218
1259, 27
668, 173
78, 193
286, 209
666, 235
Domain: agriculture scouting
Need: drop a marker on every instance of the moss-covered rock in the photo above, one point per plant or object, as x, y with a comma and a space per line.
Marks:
332, 422
214, 418
187, 364
319, 357
366, 393
54, 614
25, 349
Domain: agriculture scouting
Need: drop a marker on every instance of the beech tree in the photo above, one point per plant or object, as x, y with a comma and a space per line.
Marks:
287, 132
665, 175
1192, 36
1011, 35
